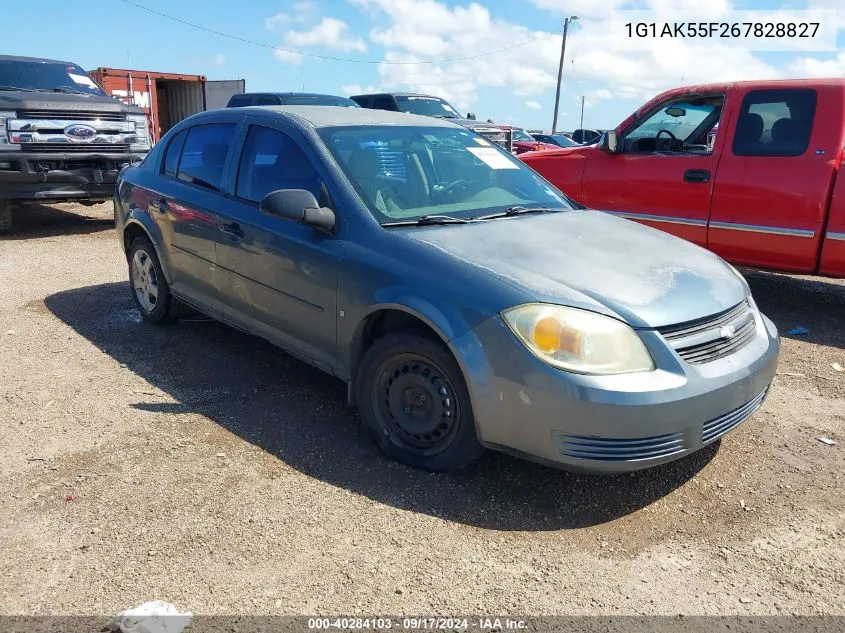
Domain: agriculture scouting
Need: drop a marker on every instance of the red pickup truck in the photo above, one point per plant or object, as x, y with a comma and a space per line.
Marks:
750, 170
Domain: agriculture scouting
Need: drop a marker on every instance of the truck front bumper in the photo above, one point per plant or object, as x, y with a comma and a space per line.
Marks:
53, 176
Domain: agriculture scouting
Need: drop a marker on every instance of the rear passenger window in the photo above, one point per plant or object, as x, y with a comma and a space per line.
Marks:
775, 123
240, 101
384, 103
272, 160
174, 150
204, 154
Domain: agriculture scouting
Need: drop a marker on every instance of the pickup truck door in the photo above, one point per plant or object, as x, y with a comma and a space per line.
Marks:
772, 189
276, 277
653, 179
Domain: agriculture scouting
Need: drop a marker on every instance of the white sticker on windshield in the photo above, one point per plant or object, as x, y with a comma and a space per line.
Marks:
82, 80
492, 158
481, 141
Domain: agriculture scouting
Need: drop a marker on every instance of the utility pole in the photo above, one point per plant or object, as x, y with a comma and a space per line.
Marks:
566, 22
582, 113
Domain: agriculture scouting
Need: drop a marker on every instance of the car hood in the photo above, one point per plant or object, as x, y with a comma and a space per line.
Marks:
23, 100
595, 261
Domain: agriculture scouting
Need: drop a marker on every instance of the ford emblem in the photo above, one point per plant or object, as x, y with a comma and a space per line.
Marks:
79, 132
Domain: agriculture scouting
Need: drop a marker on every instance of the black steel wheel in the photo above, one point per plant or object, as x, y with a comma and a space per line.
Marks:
413, 399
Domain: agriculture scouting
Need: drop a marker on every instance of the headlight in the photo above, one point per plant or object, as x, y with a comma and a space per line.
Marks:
577, 340
142, 131
4, 133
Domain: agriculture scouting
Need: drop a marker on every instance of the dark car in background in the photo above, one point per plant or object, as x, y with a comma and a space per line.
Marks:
556, 139
586, 136
61, 137
427, 105
467, 304
288, 98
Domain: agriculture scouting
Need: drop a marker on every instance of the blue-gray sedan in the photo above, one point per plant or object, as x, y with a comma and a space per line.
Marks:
466, 302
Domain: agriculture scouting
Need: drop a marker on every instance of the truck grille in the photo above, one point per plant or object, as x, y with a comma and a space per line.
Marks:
76, 148
494, 134
705, 340
71, 115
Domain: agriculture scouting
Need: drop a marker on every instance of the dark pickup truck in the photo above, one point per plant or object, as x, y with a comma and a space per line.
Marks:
61, 137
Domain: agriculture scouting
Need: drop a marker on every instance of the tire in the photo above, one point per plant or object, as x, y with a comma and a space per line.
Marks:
147, 283
413, 401
5, 217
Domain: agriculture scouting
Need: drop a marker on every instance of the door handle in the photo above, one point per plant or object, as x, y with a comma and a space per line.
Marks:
159, 205
233, 230
697, 175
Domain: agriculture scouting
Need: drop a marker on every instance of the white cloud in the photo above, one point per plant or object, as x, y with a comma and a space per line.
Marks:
533, 105
355, 89
424, 30
220, 60
813, 67
274, 21
330, 33
289, 57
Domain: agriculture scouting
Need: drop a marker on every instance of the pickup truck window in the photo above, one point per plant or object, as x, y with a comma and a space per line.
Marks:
47, 77
204, 154
775, 123
272, 160
676, 127
384, 103
427, 106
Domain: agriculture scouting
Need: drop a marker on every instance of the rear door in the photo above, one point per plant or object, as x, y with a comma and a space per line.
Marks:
663, 175
771, 193
192, 173
277, 277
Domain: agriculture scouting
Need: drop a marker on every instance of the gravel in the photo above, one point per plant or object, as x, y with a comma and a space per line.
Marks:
195, 464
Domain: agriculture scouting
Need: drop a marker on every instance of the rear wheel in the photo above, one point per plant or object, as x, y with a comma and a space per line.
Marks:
147, 283
413, 400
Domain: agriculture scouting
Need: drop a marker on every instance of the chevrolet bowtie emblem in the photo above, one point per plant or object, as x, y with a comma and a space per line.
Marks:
727, 331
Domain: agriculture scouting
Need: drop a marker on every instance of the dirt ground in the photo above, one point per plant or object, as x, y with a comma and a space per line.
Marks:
195, 464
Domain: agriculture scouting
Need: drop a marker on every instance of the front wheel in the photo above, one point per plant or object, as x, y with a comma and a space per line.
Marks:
413, 400
147, 283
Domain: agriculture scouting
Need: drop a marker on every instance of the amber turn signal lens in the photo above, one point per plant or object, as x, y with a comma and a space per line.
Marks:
546, 335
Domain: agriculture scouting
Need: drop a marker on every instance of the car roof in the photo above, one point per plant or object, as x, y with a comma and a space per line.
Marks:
394, 94
290, 94
331, 116
13, 58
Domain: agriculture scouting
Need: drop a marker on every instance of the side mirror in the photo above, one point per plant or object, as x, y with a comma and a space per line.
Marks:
609, 142
300, 206
471, 116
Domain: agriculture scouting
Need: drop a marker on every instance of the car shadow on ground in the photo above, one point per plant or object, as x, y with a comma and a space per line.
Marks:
299, 414
813, 303
41, 220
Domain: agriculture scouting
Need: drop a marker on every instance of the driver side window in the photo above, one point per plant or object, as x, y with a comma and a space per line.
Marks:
677, 127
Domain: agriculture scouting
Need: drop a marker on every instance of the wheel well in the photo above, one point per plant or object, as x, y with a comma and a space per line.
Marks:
130, 234
382, 323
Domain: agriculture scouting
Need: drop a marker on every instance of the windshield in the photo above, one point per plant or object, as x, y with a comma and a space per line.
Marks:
46, 76
404, 173
522, 135
681, 119
321, 100
563, 141
427, 106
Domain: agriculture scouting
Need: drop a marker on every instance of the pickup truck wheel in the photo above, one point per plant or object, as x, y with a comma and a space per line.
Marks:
5, 217
414, 402
147, 283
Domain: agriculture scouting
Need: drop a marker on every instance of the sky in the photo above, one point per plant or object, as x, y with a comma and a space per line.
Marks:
514, 86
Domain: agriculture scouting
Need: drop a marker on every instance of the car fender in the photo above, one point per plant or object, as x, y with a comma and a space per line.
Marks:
140, 218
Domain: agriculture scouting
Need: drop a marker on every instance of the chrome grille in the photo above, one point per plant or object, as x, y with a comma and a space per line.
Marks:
709, 339
494, 134
71, 115
613, 450
76, 148
717, 427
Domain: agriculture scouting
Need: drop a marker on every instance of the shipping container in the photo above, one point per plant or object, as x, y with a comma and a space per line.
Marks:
167, 98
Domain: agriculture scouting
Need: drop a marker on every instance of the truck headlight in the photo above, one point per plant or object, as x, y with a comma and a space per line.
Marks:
4, 132
142, 132
578, 340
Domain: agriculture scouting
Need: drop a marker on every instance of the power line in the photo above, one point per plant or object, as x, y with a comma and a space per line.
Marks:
330, 57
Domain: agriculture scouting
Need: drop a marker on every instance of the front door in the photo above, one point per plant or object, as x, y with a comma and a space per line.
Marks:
770, 197
663, 176
277, 277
